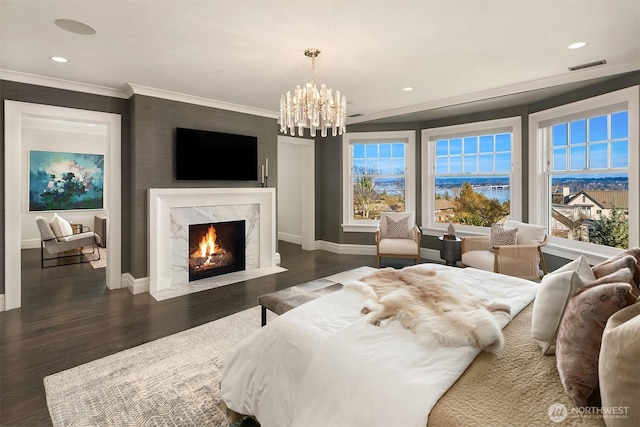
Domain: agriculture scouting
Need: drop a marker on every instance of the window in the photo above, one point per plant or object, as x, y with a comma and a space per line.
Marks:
468, 176
379, 171
581, 185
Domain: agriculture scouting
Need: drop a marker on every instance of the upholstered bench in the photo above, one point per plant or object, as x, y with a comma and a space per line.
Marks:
280, 302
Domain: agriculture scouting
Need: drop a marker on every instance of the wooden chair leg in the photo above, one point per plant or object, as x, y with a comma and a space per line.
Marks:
264, 315
378, 261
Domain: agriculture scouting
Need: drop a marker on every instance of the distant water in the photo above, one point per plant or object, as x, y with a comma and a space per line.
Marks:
502, 194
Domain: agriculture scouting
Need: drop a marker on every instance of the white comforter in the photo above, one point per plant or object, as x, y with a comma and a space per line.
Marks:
322, 365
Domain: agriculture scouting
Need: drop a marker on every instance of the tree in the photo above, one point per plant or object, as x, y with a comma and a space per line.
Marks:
473, 208
363, 190
612, 230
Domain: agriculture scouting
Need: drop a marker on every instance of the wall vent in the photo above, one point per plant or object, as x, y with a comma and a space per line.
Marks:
587, 65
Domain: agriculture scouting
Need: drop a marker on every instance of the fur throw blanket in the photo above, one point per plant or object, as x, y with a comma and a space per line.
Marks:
438, 311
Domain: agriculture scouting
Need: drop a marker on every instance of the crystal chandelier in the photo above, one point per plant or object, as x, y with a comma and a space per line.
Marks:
311, 108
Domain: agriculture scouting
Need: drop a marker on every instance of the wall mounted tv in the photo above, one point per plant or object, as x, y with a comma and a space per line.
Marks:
205, 155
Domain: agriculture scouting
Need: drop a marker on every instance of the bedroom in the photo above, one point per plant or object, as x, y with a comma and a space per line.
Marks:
146, 140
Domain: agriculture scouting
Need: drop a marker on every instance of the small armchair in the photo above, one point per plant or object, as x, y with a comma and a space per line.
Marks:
397, 236
523, 259
59, 245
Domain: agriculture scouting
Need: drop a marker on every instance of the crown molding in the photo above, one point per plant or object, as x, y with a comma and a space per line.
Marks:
33, 79
135, 89
129, 90
569, 77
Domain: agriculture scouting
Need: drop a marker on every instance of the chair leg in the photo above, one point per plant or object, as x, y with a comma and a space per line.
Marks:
263, 315
378, 261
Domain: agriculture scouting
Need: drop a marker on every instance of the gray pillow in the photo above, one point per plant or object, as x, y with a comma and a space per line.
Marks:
398, 229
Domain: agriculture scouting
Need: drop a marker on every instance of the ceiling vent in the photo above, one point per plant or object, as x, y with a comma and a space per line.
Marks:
587, 65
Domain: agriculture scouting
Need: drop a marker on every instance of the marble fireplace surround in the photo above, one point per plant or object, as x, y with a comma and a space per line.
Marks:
170, 205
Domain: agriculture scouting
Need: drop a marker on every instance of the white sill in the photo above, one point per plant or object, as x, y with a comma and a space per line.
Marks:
359, 228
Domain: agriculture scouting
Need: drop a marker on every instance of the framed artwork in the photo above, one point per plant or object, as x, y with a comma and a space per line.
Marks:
65, 181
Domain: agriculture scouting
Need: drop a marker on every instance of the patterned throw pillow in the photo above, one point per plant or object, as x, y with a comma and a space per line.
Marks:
398, 229
502, 236
580, 337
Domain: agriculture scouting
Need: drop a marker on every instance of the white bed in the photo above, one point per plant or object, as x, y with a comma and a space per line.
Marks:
322, 364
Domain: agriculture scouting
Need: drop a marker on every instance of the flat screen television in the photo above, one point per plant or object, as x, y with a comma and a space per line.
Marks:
206, 155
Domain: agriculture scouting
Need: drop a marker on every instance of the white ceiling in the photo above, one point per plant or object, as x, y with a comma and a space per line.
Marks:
247, 53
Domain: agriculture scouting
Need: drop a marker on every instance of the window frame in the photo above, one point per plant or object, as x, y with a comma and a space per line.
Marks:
429, 137
350, 224
540, 162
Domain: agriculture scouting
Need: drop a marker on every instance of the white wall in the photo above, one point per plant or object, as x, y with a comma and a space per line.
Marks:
289, 192
56, 135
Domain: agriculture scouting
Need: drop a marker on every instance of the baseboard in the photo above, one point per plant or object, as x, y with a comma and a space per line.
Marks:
353, 249
1, 302
30, 244
291, 238
135, 286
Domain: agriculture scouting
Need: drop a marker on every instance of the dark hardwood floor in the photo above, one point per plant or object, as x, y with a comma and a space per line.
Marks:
68, 318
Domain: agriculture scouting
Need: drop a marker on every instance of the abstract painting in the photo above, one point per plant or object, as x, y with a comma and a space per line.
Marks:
65, 181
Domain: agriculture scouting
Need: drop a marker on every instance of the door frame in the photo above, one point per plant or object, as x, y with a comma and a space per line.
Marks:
307, 186
14, 113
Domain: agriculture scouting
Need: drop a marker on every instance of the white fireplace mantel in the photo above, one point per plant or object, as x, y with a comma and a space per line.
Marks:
162, 200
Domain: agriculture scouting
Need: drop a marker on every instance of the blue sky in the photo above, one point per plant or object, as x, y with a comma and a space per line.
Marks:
570, 141
586, 144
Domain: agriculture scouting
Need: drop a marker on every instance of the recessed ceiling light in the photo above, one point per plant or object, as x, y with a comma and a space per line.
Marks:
75, 27
407, 89
577, 45
58, 59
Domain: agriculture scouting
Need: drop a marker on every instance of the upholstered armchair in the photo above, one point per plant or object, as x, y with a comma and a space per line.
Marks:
521, 257
398, 236
61, 244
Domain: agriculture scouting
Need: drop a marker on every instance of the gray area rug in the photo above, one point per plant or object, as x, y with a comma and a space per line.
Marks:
173, 381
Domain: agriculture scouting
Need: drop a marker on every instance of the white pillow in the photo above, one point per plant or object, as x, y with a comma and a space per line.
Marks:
528, 234
61, 227
553, 296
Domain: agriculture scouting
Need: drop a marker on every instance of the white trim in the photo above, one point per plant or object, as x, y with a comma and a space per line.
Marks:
355, 249
538, 197
196, 100
428, 168
1, 302
129, 90
33, 79
572, 77
409, 137
291, 238
14, 113
135, 286
307, 185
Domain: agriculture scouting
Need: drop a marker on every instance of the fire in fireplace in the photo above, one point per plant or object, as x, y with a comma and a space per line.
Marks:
216, 248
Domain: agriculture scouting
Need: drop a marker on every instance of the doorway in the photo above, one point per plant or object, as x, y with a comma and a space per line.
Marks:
20, 116
296, 191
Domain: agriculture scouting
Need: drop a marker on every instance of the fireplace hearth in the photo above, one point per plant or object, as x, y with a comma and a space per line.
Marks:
216, 248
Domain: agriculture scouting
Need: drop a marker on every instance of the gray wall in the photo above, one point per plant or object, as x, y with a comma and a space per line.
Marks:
148, 126
154, 121
329, 200
148, 144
